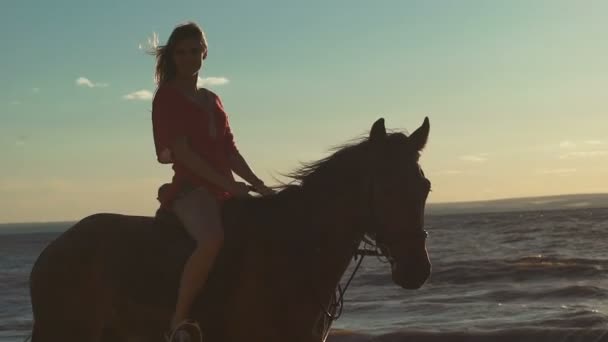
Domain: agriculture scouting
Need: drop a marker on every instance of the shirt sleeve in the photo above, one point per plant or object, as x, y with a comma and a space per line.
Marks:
229, 143
168, 123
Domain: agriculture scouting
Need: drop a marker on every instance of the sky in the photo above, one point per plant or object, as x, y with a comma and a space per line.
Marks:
516, 93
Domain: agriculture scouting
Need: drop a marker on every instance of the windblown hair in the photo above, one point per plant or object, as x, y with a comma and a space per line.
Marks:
165, 66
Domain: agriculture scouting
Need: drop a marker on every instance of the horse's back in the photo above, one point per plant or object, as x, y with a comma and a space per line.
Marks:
83, 279
96, 233
125, 269
120, 249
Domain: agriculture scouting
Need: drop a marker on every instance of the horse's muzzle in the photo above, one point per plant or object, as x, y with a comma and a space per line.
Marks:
411, 276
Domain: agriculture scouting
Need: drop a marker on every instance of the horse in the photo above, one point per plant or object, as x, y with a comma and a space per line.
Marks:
113, 277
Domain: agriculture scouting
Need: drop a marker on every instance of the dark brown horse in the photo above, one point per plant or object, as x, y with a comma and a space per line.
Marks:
112, 277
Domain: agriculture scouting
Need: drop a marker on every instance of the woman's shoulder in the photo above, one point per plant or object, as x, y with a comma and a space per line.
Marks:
206, 92
163, 93
209, 95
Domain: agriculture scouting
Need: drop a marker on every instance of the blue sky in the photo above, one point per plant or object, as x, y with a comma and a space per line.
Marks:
515, 90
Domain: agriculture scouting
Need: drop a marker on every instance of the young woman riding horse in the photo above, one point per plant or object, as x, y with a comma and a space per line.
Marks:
191, 131
115, 277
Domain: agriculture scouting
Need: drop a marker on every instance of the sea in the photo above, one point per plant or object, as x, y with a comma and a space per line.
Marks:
508, 276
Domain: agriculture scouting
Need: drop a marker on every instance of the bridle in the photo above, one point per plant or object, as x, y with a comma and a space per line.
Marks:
378, 249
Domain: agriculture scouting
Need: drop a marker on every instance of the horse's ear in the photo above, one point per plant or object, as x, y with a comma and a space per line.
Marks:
419, 138
378, 132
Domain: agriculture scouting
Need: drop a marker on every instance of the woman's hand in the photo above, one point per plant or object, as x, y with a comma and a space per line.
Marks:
239, 189
262, 189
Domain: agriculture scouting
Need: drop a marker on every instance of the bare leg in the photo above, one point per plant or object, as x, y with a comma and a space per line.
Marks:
199, 212
194, 278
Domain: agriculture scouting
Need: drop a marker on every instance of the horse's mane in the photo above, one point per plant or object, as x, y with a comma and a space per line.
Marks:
307, 178
319, 172
285, 212
328, 169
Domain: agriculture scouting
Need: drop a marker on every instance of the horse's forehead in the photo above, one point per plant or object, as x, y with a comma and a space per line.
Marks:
399, 143
400, 149
398, 138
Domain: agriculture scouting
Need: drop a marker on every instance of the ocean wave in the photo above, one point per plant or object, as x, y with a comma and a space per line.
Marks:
528, 268
578, 291
519, 269
526, 295
507, 335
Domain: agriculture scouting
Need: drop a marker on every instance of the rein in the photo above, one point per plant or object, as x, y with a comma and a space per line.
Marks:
334, 311
338, 297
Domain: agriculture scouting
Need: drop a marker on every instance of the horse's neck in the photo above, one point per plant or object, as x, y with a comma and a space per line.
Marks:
340, 235
322, 229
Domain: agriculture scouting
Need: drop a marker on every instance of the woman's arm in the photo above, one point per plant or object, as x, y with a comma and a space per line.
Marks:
236, 161
242, 169
182, 152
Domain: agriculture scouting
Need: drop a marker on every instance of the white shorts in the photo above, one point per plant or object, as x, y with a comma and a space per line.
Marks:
199, 212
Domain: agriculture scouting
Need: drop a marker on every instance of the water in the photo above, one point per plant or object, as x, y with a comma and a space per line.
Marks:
525, 276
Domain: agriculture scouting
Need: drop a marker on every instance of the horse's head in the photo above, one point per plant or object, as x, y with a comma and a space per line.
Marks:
398, 197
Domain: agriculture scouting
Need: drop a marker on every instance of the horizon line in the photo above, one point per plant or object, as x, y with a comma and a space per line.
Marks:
67, 221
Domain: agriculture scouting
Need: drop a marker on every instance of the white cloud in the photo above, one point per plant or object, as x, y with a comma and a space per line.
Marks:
475, 158
20, 140
584, 154
594, 142
449, 172
567, 144
36, 90
139, 95
85, 82
556, 171
15, 103
201, 82
211, 81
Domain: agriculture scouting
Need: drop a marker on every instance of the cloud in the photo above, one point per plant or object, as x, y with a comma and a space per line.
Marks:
584, 154
567, 144
85, 82
449, 172
35, 90
139, 95
144, 94
556, 171
211, 81
15, 103
475, 158
21, 140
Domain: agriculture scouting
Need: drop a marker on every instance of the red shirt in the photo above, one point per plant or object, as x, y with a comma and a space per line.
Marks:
174, 115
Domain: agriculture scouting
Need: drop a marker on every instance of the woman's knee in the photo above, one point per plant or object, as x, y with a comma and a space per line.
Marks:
211, 239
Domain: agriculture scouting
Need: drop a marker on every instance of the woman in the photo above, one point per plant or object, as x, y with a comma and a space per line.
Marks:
191, 131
